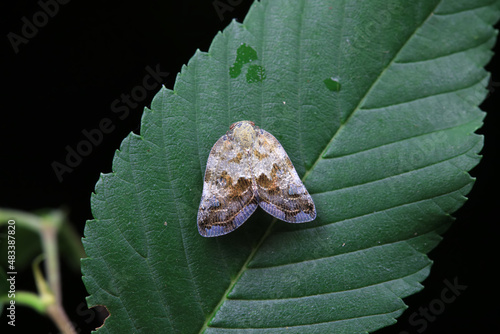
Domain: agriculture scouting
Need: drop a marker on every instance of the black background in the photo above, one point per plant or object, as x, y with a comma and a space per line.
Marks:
64, 79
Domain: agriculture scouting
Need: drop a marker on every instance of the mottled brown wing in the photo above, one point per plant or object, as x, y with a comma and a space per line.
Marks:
280, 190
228, 198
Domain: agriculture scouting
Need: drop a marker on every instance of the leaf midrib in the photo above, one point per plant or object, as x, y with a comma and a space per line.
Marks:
365, 96
244, 267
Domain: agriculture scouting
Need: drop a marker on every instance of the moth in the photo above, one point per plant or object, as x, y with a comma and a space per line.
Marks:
246, 168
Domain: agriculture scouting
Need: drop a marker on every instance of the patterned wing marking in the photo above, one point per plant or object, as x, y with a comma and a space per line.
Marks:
228, 198
280, 191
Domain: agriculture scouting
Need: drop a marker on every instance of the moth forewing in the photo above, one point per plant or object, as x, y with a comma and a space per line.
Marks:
248, 167
280, 190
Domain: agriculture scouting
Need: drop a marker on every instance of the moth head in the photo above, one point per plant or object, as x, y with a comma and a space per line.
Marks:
235, 124
244, 133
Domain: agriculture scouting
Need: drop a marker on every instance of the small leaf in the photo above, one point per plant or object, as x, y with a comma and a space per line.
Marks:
385, 158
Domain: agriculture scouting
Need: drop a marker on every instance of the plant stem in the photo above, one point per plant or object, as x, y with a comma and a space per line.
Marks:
24, 219
52, 262
49, 298
59, 317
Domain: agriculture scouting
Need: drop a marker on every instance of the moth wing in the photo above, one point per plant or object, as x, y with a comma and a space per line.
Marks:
228, 198
281, 192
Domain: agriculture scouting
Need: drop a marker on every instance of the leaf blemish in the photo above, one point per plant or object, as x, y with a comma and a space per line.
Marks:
332, 84
244, 55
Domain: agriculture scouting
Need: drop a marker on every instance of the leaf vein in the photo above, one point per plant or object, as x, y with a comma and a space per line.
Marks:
381, 283
385, 209
481, 44
423, 134
418, 169
363, 99
465, 10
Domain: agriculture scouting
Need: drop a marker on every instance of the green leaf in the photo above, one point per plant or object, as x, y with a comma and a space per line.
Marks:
375, 103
